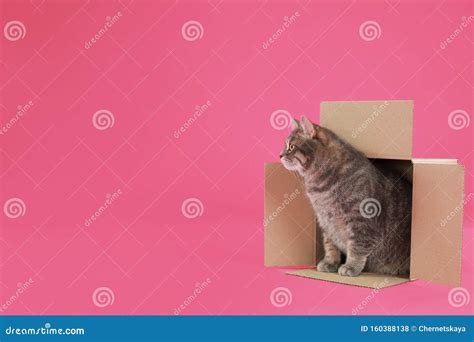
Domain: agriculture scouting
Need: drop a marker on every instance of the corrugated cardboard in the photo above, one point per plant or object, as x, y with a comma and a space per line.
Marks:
292, 237
437, 222
289, 223
379, 129
371, 280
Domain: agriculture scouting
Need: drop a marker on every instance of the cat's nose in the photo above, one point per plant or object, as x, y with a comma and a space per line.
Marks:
281, 155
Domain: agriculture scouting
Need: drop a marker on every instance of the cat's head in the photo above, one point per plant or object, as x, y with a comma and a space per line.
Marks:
302, 145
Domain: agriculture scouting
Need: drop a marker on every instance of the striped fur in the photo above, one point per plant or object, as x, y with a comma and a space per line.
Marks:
339, 180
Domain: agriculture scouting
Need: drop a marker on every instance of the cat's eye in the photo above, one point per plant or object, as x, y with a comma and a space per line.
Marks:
291, 147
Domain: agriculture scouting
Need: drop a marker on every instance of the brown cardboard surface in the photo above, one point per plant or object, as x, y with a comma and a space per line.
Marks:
289, 222
436, 240
434, 161
380, 129
371, 280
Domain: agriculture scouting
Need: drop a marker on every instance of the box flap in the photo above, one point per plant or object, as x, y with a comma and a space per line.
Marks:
380, 129
371, 280
289, 222
435, 161
437, 222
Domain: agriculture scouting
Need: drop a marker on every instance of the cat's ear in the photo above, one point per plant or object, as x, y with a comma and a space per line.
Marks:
308, 127
320, 134
295, 125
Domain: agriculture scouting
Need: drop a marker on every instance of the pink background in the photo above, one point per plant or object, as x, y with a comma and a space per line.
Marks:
143, 71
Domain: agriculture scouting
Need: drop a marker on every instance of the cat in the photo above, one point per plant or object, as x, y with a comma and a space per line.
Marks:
364, 212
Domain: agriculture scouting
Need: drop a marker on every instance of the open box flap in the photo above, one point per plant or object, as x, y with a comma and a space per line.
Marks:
289, 222
437, 222
371, 280
379, 129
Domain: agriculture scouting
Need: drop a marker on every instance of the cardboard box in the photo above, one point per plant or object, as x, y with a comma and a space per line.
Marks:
383, 131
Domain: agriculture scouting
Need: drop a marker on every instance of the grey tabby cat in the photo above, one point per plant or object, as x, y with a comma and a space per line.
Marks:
364, 212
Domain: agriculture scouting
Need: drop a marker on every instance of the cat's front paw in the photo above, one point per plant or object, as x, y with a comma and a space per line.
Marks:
324, 266
348, 271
